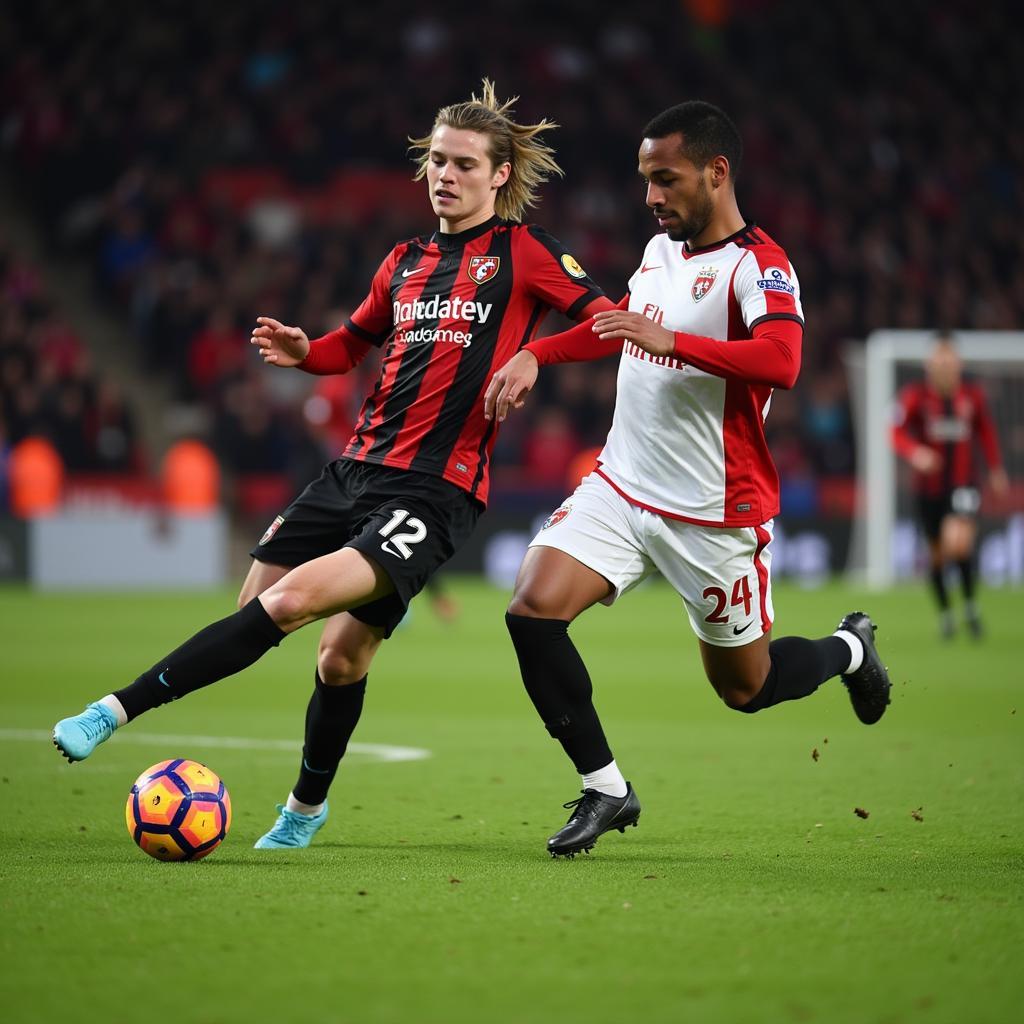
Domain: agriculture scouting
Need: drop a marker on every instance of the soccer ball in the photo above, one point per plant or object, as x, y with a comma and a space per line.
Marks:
178, 810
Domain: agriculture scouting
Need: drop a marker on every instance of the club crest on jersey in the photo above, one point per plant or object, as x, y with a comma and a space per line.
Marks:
703, 283
571, 267
272, 529
556, 517
775, 280
483, 268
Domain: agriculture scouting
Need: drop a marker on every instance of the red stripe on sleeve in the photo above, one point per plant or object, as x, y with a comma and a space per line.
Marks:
579, 343
771, 357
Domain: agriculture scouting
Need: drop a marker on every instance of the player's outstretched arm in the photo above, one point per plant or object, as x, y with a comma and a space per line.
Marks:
336, 352
510, 385
771, 357
279, 345
618, 325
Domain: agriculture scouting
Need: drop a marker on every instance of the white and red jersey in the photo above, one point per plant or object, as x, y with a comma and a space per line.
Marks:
684, 443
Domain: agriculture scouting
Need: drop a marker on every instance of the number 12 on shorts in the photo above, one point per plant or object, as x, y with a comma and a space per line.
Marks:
740, 596
400, 544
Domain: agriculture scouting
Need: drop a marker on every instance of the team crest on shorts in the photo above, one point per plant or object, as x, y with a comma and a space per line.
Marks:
483, 268
704, 282
272, 529
556, 517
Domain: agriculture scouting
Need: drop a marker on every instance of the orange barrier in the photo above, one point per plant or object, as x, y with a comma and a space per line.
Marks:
191, 478
37, 478
585, 462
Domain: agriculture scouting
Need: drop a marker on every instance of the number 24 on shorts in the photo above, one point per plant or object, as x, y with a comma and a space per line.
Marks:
400, 544
740, 596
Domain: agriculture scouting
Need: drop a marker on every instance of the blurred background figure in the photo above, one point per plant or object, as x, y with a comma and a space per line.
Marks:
941, 420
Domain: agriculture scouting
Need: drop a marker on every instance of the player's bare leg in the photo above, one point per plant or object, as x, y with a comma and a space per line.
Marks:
957, 541
261, 576
347, 647
764, 672
324, 586
551, 590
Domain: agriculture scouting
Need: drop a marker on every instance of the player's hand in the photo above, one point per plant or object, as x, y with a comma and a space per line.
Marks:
641, 330
510, 385
924, 459
999, 481
279, 345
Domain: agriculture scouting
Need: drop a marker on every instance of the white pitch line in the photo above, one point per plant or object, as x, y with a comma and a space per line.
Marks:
374, 751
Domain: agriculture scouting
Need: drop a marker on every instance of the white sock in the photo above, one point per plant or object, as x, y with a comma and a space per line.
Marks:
856, 649
113, 704
300, 808
606, 780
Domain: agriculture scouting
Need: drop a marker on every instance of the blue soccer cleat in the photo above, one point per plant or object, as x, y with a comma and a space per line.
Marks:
291, 831
77, 737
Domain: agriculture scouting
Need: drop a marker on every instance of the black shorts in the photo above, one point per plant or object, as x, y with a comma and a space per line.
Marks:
408, 523
932, 509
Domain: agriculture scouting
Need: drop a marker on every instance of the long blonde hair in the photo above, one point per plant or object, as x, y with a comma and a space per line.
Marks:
532, 162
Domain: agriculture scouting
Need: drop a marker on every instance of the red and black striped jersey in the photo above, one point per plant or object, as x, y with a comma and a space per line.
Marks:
450, 310
949, 425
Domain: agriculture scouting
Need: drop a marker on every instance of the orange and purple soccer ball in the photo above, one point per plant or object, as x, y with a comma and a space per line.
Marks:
178, 810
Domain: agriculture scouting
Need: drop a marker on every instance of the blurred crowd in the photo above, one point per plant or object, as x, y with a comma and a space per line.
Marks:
215, 162
49, 386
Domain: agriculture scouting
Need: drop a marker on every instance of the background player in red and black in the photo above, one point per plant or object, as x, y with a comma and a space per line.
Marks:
938, 421
355, 547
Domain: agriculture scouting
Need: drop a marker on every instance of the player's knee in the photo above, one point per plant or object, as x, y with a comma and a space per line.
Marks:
286, 605
530, 604
738, 691
737, 699
339, 667
960, 547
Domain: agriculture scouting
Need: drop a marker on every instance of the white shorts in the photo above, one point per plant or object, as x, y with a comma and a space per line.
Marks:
723, 574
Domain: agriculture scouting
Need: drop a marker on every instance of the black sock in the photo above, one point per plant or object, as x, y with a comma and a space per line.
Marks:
559, 686
331, 716
966, 568
939, 587
799, 666
220, 650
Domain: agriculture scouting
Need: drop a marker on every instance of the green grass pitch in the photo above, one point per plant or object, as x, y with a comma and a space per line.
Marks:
750, 892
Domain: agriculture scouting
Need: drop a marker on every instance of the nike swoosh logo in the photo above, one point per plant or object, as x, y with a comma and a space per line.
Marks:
162, 680
736, 630
645, 268
409, 273
315, 771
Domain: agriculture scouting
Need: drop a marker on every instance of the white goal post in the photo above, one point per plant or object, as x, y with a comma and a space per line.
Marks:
872, 374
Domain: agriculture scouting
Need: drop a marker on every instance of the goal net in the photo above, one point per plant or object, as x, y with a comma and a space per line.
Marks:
885, 544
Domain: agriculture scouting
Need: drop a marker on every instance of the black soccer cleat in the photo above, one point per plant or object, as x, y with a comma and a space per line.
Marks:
869, 686
593, 814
